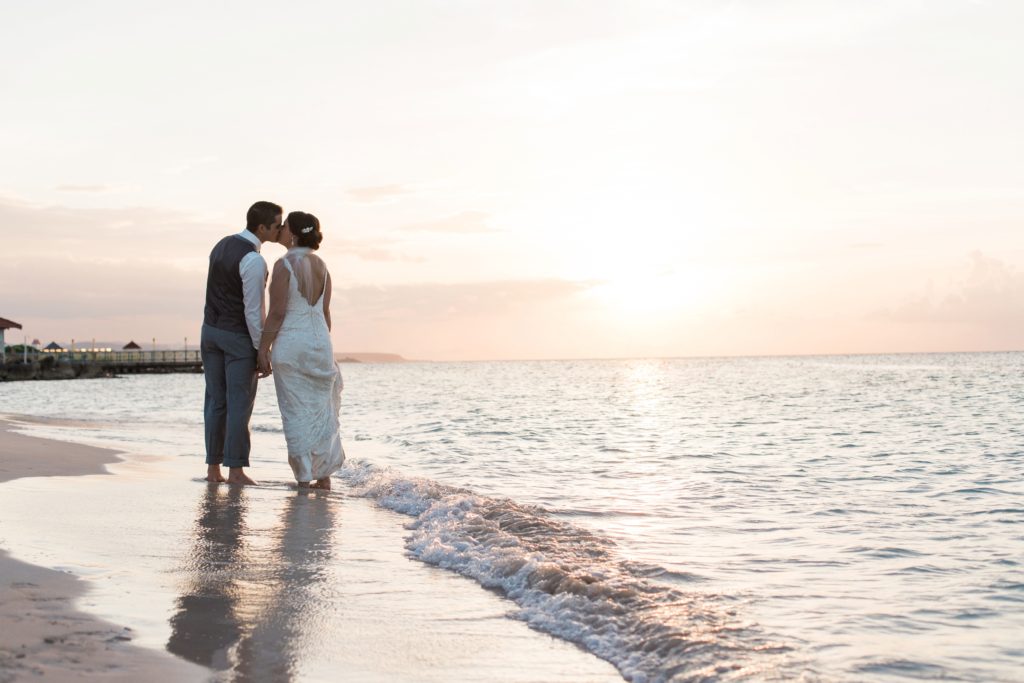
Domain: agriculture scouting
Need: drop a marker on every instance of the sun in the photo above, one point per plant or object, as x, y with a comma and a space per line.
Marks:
656, 294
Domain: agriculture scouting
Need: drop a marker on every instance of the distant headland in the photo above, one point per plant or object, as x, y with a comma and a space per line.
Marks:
361, 357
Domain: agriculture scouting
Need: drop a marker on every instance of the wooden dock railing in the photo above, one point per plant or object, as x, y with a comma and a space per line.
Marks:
154, 358
87, 364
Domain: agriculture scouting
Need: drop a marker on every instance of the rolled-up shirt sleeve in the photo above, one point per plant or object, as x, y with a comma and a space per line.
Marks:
253, 270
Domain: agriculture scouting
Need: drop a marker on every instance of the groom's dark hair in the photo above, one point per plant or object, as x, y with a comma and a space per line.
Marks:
261, 213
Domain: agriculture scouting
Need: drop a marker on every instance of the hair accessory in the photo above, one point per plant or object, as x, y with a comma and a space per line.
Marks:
306, 230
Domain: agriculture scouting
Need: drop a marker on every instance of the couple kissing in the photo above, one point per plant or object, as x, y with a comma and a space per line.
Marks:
241, 343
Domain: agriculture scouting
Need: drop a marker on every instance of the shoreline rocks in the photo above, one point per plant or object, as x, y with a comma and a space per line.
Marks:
50, 368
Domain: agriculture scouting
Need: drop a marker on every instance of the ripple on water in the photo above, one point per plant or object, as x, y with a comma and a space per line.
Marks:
673, 458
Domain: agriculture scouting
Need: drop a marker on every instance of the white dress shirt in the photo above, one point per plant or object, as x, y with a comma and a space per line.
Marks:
253, 270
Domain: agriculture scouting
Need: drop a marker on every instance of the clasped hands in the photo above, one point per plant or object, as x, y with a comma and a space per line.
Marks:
263, 365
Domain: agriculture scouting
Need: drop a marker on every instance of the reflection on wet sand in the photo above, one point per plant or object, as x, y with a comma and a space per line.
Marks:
252, 591
265, 583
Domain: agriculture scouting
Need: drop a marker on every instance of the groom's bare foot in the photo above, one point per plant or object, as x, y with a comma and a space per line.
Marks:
322, 484
237, 477
213, 474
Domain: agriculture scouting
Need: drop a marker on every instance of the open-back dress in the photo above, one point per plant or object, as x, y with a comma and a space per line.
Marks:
307, 378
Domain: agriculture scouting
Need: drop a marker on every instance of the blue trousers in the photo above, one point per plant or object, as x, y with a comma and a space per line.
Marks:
229, 364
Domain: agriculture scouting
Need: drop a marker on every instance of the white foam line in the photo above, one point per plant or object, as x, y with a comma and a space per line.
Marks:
571, 583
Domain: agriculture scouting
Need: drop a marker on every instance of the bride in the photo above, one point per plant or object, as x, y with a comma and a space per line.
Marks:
307, 379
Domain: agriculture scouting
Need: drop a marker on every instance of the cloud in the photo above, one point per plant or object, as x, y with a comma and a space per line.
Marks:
141, 233
98, 233
435, 302
187, 165
84, 188
62, 298
374, 194
989, 296
139, 272
372, 251
107, 273
464, 222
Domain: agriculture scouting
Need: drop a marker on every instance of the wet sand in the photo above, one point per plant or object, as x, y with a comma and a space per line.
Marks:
29, 456
42, 634
263, 583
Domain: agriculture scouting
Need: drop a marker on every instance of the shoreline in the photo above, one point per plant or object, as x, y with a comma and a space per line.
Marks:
235, 580
42, 631
31, 456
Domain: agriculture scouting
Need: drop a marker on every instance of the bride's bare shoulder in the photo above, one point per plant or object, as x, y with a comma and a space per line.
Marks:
280, 267
318, 263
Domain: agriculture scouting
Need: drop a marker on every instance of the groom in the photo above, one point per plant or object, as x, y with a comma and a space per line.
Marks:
232, 326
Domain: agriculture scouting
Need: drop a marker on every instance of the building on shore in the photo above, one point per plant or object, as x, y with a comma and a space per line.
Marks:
6, 324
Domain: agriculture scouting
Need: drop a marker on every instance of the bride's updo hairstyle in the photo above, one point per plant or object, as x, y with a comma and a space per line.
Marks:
306, 228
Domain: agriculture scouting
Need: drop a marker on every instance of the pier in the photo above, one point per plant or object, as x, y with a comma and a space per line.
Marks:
128, 362
27, 365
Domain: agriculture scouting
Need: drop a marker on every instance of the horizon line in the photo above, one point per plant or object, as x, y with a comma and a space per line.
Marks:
701, 357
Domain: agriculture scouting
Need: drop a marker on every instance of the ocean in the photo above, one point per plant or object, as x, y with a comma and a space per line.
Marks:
817, 518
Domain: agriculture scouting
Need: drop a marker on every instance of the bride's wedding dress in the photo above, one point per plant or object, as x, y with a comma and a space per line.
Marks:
307, 378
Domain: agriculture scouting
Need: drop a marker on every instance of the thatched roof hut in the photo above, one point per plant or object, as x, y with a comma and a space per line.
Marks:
53, 346
132, 346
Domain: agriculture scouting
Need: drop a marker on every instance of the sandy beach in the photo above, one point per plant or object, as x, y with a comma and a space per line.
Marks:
188, 581
41, 631
26, 456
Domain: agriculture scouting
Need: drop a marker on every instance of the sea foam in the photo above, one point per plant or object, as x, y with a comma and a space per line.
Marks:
570, 582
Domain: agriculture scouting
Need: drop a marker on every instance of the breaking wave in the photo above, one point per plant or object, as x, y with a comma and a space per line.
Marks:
570, 582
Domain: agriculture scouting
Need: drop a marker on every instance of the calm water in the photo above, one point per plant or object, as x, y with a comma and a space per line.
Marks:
835, 518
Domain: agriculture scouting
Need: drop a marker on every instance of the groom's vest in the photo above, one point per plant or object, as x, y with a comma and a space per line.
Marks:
225, 305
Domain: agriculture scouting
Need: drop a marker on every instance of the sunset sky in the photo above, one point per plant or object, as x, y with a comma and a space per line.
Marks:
547, 179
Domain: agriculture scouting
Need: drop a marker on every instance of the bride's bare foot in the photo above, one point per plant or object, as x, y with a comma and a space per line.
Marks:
322, 484
213, 474
238, 477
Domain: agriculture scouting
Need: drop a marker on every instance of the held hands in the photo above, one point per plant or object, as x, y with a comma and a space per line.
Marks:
263, 366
